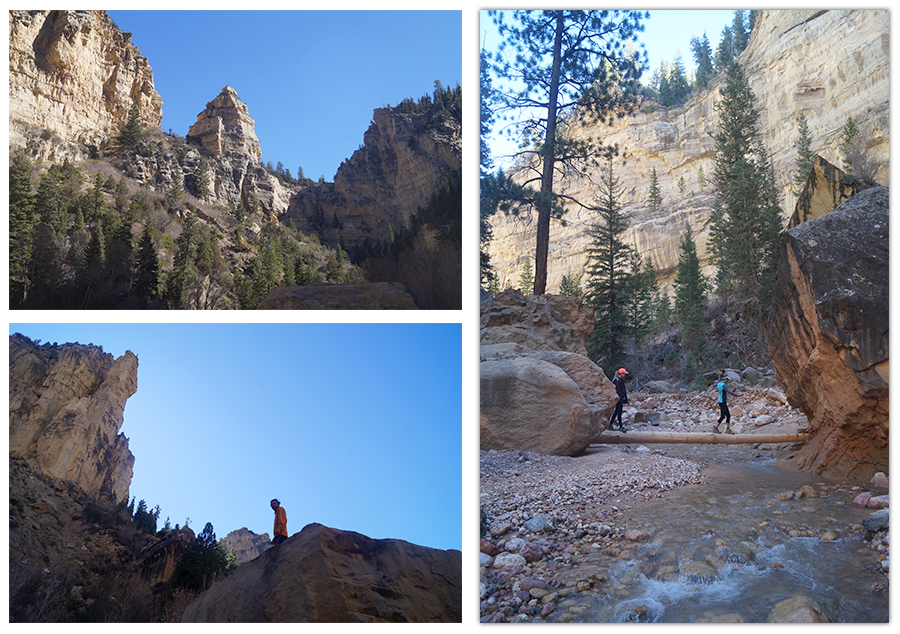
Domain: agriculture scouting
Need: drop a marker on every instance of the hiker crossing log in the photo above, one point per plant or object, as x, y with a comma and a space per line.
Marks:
613, 437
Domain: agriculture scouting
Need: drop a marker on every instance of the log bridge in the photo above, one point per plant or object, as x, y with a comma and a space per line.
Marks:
618, 438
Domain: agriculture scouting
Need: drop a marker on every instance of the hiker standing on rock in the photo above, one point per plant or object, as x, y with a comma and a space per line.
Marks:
723, 405
619, 382
280, 530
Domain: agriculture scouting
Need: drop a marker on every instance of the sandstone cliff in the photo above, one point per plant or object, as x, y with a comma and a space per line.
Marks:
326, 575
406, 157
829, 334
75, 74
66, 407
826, 64
246, 544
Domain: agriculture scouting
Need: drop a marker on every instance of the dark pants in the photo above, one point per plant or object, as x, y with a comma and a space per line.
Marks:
723, 408
617, 414
278, 539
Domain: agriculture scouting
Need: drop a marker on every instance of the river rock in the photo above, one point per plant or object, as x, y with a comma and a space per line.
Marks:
489, 548
878, 502
797, 609
880, 480
877, 521
828, 339
636, 535
509, 561
485, 560
531, 552
514, 544
538, 523
862, 500
529, 583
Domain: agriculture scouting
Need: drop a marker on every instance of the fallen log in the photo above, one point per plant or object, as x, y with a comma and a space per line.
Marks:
618, 438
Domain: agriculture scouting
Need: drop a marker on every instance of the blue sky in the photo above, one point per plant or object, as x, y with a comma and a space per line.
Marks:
311, 79
354, 426
666, 32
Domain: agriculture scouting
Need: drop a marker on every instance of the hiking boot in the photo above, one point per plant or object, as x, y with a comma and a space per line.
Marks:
716, 430
728, 431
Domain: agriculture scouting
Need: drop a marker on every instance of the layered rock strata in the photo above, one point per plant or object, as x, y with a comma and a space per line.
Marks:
325, 575
403, 161
827, 64
829, 334
66, 407
539, 391
76, 74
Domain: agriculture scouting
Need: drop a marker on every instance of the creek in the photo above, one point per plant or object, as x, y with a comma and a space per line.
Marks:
728, 549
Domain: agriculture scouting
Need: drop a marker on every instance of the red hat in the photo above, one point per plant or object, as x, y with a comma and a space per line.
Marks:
622, 371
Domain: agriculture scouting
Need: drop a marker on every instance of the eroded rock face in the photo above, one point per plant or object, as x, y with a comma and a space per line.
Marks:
548, 322
374, 296
327, 575
826, 64
403, 161
539, 390
66, 406
158, 560
829, 334
246, 544
76, 74
825, 189
225, 127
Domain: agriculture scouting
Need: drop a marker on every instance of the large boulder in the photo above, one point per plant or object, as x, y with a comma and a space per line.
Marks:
373, 296
325, 575
829, 334
539, 390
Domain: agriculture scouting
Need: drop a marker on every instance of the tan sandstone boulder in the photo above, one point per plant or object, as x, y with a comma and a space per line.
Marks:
829, 334
326, 575
377, 295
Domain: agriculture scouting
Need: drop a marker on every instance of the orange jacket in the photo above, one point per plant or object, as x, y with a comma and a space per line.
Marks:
281, 521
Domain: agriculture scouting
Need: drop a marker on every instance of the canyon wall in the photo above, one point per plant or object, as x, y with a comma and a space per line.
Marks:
827, 64
75, 74
405, 159
66, 407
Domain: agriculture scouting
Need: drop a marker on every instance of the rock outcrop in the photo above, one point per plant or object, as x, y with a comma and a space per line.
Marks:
225, 127
827, 64
374, 296
66, 406
539, 390
75, 74
327, 575
825, 189
829, 334
157, 561
246, 544
404, 160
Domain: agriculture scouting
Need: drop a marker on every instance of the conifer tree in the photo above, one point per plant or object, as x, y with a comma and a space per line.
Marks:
805, 156
132, 132
678, 82
201, 181
570, 286
639, 298
607, 283
654, 197
746, 222
526, 279
21, 206
702, 53
146, 278
568, 65
690, 292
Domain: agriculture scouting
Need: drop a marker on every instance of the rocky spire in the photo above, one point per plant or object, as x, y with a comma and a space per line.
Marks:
225, 127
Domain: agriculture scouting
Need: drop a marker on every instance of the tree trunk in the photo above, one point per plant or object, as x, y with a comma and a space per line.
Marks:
615, 438
544, 202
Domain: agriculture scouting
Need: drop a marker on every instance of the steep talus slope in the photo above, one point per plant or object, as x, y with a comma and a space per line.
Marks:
827, 64
66, 407
327, 575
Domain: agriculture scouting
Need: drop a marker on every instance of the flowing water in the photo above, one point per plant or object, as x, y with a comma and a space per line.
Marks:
728, 547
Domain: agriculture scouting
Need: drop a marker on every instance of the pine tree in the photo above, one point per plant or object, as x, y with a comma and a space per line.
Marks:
132, 132
570, 286
678, 82
21, 206
526, 279
702, 52
805, 156
146, 277
568, 65
725, 50
739, 32
639, 299
607, 271
746, 222
178, 281
654, 197
690, 292
701, 178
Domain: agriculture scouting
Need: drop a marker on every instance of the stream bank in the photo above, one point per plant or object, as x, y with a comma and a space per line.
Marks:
676, 534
